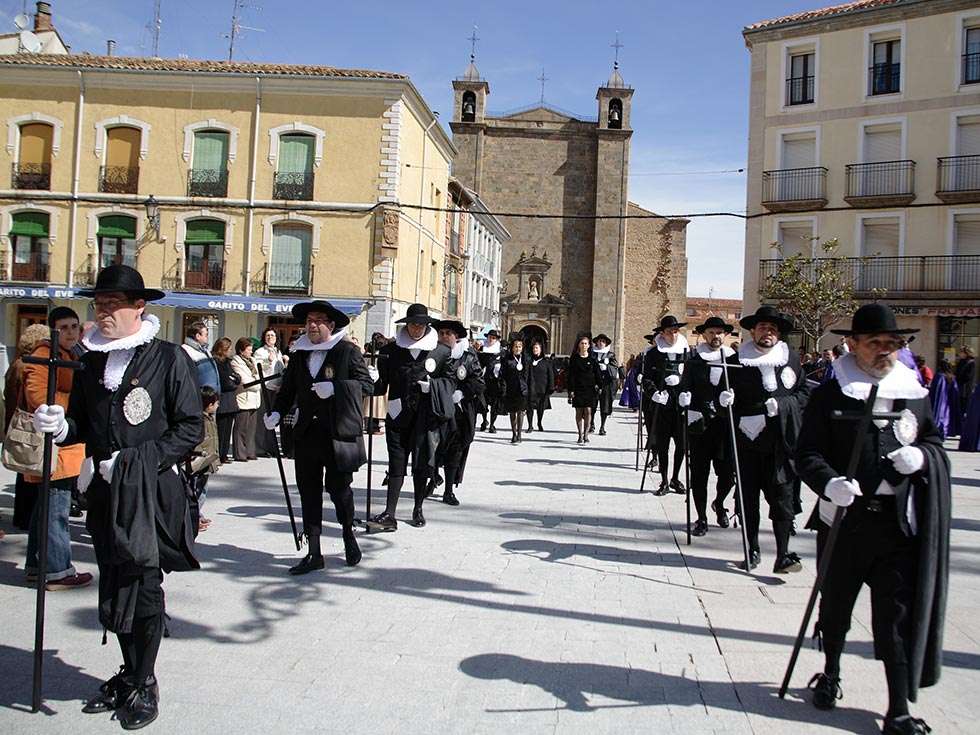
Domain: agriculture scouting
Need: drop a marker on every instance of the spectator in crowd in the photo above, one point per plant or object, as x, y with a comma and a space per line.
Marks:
835, 352
248, 399
630, 397
228, 402
60, 573
196, 347
945, 399
270, 357
925, 372
202, 462
965, 376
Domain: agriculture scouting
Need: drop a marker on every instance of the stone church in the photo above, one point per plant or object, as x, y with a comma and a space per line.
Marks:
591, 269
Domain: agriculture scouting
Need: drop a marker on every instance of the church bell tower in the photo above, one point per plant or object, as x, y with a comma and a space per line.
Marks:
468, 124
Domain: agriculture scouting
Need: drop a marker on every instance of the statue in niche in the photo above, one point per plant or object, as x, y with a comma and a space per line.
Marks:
532, 291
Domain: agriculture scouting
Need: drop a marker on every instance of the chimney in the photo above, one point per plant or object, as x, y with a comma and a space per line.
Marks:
42, 18
110, 49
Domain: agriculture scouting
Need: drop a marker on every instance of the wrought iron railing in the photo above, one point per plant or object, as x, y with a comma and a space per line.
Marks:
294, 278
794, 184
896, 275
885, 78
119, 179
297, 186
958, 173
799, 90
210, 277
206, 182
31, 176
33, 270
881, 179
971, 68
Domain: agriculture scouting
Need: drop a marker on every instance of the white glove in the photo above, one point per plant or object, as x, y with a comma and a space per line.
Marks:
373, 372
726, 398
907, 460
684, 399
323, 389
639, 377
772, 407
51, 420
660, 397
425, 385
496, 370
841, 492
673, 380
271, 420
106, 465
85, 474
457, 396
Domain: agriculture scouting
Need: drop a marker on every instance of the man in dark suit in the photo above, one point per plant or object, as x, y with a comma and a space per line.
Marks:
326, 380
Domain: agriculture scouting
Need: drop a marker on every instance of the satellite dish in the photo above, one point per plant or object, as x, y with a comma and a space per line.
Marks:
22, 21
30, 42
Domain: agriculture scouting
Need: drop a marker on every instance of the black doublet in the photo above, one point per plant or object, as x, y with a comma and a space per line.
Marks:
609, 370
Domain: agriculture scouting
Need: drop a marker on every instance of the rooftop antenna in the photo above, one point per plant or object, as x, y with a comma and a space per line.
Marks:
542, 79
236, 26
473, 39
154, 28
22, 21
616, 46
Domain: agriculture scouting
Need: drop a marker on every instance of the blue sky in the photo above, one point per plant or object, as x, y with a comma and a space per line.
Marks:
686, 60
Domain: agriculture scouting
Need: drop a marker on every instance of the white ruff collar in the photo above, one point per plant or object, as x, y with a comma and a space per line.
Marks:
901, 382
714, 356
603, 351
459, 348
427, 341
680, 344
493, 349
749, 354
303, 343
149, 327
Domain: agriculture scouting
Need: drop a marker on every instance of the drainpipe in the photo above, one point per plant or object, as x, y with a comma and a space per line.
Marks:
250, 216
418, 258
76, 166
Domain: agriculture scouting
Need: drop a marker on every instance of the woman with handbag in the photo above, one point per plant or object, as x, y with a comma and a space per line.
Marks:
60, 574
248, 399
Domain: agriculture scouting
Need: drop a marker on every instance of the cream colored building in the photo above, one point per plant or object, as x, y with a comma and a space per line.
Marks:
274, 183
865, 126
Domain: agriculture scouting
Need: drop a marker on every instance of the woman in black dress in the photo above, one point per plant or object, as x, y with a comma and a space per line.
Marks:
514, 382
584, 382
228, 402
541, 384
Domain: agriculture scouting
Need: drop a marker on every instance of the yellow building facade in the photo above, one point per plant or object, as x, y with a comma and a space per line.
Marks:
237, 188
865, 127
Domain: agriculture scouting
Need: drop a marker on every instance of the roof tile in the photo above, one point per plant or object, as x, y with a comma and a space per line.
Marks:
820, 13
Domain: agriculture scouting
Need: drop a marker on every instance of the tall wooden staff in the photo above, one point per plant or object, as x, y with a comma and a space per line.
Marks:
297, 538
687, 462
738, 471
53, 362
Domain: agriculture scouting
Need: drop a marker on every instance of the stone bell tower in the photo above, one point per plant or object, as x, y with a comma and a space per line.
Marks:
468, 123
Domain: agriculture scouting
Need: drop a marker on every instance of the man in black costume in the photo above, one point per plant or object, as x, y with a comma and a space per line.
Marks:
460, 432
708, 428
609, 366
137, 408
663, 366
490, 358
415, 373
895, 534
770, 393
326, 379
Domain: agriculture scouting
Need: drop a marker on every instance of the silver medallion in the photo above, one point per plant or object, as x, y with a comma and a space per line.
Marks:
788, 376
461, 372
137, 406
328, 372
906, 428
430, 365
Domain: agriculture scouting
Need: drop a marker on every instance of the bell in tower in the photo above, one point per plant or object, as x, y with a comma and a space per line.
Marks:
616, 113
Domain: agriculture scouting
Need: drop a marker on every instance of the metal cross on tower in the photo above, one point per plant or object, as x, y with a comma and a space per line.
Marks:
473, 39
542, 79
616, 46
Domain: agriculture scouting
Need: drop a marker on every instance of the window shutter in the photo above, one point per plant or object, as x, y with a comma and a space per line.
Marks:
210, 150
882, 145
880, 239
799, 152
795, 239
968, 137
123, 147
30, 224
967, 235
205, 231
35, 143
117, 226
296, 153
289, 266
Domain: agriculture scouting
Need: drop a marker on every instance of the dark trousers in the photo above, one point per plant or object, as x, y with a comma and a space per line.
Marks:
316, 470
401, 445
141, 646
707, 449
668, 425
245, 434
225, 421
758, 480
871, 549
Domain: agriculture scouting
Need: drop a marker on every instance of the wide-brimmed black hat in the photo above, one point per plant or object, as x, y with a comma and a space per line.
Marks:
603, 337
416, 314
650, 337
493, 333
668, 321
339, 318
461, 331
874, 319
768, 313
515, 337
714, 322
116, 278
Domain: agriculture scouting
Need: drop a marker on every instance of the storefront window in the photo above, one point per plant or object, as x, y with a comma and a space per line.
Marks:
956, 332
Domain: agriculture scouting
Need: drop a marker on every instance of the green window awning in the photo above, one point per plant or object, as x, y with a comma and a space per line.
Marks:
205, 231
117, 225
30, 224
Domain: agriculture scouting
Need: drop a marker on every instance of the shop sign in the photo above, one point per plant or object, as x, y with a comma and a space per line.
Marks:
937, 310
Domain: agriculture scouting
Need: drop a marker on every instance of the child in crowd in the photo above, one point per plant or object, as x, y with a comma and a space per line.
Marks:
203, 461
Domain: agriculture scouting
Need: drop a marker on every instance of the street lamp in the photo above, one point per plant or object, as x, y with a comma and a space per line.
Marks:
153, 215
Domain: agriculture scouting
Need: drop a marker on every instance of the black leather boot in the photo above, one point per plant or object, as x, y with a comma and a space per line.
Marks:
418, 520
111, 694
383, 522
826, 691
352, 552
141, 706
449, 498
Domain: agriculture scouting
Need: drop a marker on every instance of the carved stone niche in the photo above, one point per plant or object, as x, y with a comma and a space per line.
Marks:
387, 223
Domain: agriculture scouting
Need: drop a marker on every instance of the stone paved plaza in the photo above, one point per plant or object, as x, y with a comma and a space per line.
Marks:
556, 598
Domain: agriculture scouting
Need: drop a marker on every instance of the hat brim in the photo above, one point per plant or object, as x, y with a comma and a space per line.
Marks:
784, 325
147, 294
416, 320
675, 325
852, 333
701, 327
650, 337
457, 327
339, 318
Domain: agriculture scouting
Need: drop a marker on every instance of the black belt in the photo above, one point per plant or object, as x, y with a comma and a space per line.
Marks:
876, 503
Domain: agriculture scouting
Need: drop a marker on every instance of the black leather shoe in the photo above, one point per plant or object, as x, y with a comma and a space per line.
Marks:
529, 429
112, 694
789, 562
310, 563
449, 498
383, 522
826, 691
352, 552
721, 514
662, 490
492, 429
602, 432
483, 426
905, 725
418, 520
540, 427
700, 528
678, 487
754, 558
140, 708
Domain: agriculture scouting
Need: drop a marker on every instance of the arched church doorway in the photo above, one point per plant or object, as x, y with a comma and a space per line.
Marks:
534, 333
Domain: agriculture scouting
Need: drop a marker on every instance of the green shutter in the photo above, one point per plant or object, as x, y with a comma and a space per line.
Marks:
117, 225
290, 262
296, 153
31, 224
210, 150
205, 231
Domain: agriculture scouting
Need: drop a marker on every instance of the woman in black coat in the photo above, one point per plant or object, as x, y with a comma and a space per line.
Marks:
514, 382
584, 382
541, 384
228, 403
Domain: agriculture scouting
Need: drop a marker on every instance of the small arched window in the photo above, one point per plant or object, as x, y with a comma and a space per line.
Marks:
33, 167
616, 113
468, 111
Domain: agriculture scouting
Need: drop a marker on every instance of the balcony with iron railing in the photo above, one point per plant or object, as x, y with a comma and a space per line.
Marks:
292, 185
799, 90
285, 278
794, 189
204, 276
944, 276
119, 180
205, 182
32, 269
31, 176
885, 78
880, 184
958, 179
971, 68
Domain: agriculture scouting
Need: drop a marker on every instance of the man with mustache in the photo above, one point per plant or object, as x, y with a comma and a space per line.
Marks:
894, 536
